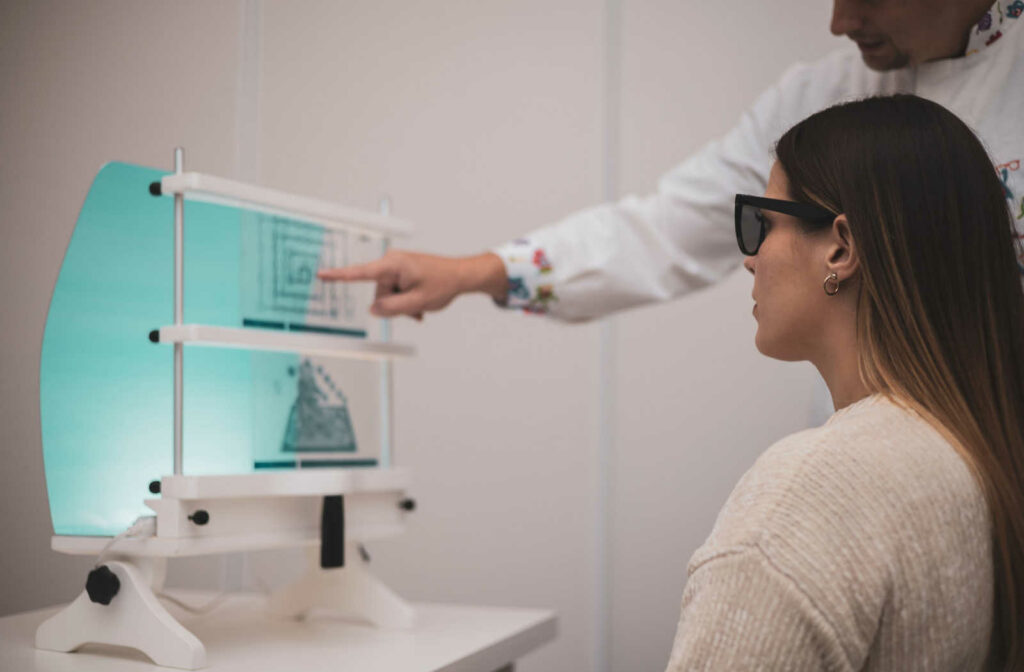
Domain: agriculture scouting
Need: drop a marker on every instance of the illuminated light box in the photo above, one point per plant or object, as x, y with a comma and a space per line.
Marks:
202, 392
106, 386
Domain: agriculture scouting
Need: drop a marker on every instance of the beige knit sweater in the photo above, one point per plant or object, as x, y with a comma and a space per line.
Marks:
860, 545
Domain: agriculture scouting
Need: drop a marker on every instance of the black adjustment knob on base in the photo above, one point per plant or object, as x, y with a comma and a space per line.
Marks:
154, 487
102, 585
407, 504
200, 517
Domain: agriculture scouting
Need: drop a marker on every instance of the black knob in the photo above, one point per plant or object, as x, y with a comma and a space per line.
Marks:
407, 504
200, 517
102, 585
154, 487
155, 188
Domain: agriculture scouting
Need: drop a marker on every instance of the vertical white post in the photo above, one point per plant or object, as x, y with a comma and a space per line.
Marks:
386, 449
179, 303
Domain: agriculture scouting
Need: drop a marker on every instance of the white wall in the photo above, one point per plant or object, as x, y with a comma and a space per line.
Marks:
696, 403
83, 83
481, 120
478, 119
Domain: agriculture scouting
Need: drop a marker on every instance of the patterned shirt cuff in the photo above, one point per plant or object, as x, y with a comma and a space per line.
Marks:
530, 287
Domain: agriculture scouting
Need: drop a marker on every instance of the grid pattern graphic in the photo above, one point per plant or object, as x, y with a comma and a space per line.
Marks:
289, 255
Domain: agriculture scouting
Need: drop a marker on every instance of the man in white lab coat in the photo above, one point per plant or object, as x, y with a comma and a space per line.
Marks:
967, 55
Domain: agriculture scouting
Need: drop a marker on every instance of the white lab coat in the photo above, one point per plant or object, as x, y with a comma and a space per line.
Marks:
680, 238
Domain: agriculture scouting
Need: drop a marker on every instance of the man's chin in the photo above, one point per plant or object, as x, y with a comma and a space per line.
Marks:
884, 59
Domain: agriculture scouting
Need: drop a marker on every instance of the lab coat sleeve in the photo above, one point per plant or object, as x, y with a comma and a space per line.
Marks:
678, 239
742, 613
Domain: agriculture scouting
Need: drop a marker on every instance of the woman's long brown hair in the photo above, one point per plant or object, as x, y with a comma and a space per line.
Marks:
940, 316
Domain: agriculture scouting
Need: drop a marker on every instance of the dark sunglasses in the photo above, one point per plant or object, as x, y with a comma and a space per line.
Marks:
750, 221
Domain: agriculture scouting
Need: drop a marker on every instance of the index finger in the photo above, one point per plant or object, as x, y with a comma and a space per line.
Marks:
374, 270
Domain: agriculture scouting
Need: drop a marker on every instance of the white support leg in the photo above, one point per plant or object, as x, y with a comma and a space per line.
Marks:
350, 592
134, 618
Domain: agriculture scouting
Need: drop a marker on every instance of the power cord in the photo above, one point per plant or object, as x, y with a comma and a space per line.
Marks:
103, 585
214, 602
144, 526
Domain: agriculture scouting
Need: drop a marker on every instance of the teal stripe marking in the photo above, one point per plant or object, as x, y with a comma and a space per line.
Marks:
312, 464
360, 333
263, 324
268, 324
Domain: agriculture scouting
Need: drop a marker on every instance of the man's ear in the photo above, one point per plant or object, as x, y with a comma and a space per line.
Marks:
843, 256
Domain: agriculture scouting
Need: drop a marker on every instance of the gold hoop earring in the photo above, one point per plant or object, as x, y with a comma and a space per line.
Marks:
833, 288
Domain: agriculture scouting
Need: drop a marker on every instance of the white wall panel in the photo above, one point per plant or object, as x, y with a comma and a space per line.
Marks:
696, 402
481, 120
84, 83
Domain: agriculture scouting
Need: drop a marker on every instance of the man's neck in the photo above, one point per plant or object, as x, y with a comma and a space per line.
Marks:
978, 9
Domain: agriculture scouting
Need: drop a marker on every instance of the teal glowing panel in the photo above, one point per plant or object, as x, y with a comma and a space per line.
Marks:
106, 391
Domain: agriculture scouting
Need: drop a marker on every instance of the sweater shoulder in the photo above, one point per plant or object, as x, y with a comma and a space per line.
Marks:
874, 471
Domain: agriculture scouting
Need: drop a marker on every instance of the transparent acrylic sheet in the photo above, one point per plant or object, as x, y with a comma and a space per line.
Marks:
106, 391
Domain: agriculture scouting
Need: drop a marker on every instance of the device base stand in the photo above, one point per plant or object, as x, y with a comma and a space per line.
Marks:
134, 618
350, 592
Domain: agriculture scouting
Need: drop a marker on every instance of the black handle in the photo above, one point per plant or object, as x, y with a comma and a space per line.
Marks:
332, 532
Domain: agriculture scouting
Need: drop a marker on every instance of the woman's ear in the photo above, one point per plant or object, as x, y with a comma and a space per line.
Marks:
843, 258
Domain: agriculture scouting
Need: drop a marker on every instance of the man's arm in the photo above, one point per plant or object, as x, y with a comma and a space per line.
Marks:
409, 283
638, 250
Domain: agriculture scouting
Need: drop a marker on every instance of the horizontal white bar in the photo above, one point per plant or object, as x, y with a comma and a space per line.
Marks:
327, 345
286, 483
213, 189
160, 547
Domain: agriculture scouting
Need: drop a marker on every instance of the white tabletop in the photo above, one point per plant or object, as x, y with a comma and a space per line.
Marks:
240, 636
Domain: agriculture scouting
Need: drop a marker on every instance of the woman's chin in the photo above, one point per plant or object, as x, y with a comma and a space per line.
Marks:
775, 349
759, 343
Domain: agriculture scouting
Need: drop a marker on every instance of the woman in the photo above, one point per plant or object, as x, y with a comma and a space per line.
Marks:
892, 537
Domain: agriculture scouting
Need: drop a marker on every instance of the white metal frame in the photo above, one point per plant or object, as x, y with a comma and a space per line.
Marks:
323, 345
209, 188
212, 189
248, 511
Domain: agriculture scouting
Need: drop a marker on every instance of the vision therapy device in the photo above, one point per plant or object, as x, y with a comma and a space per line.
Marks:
256, 415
